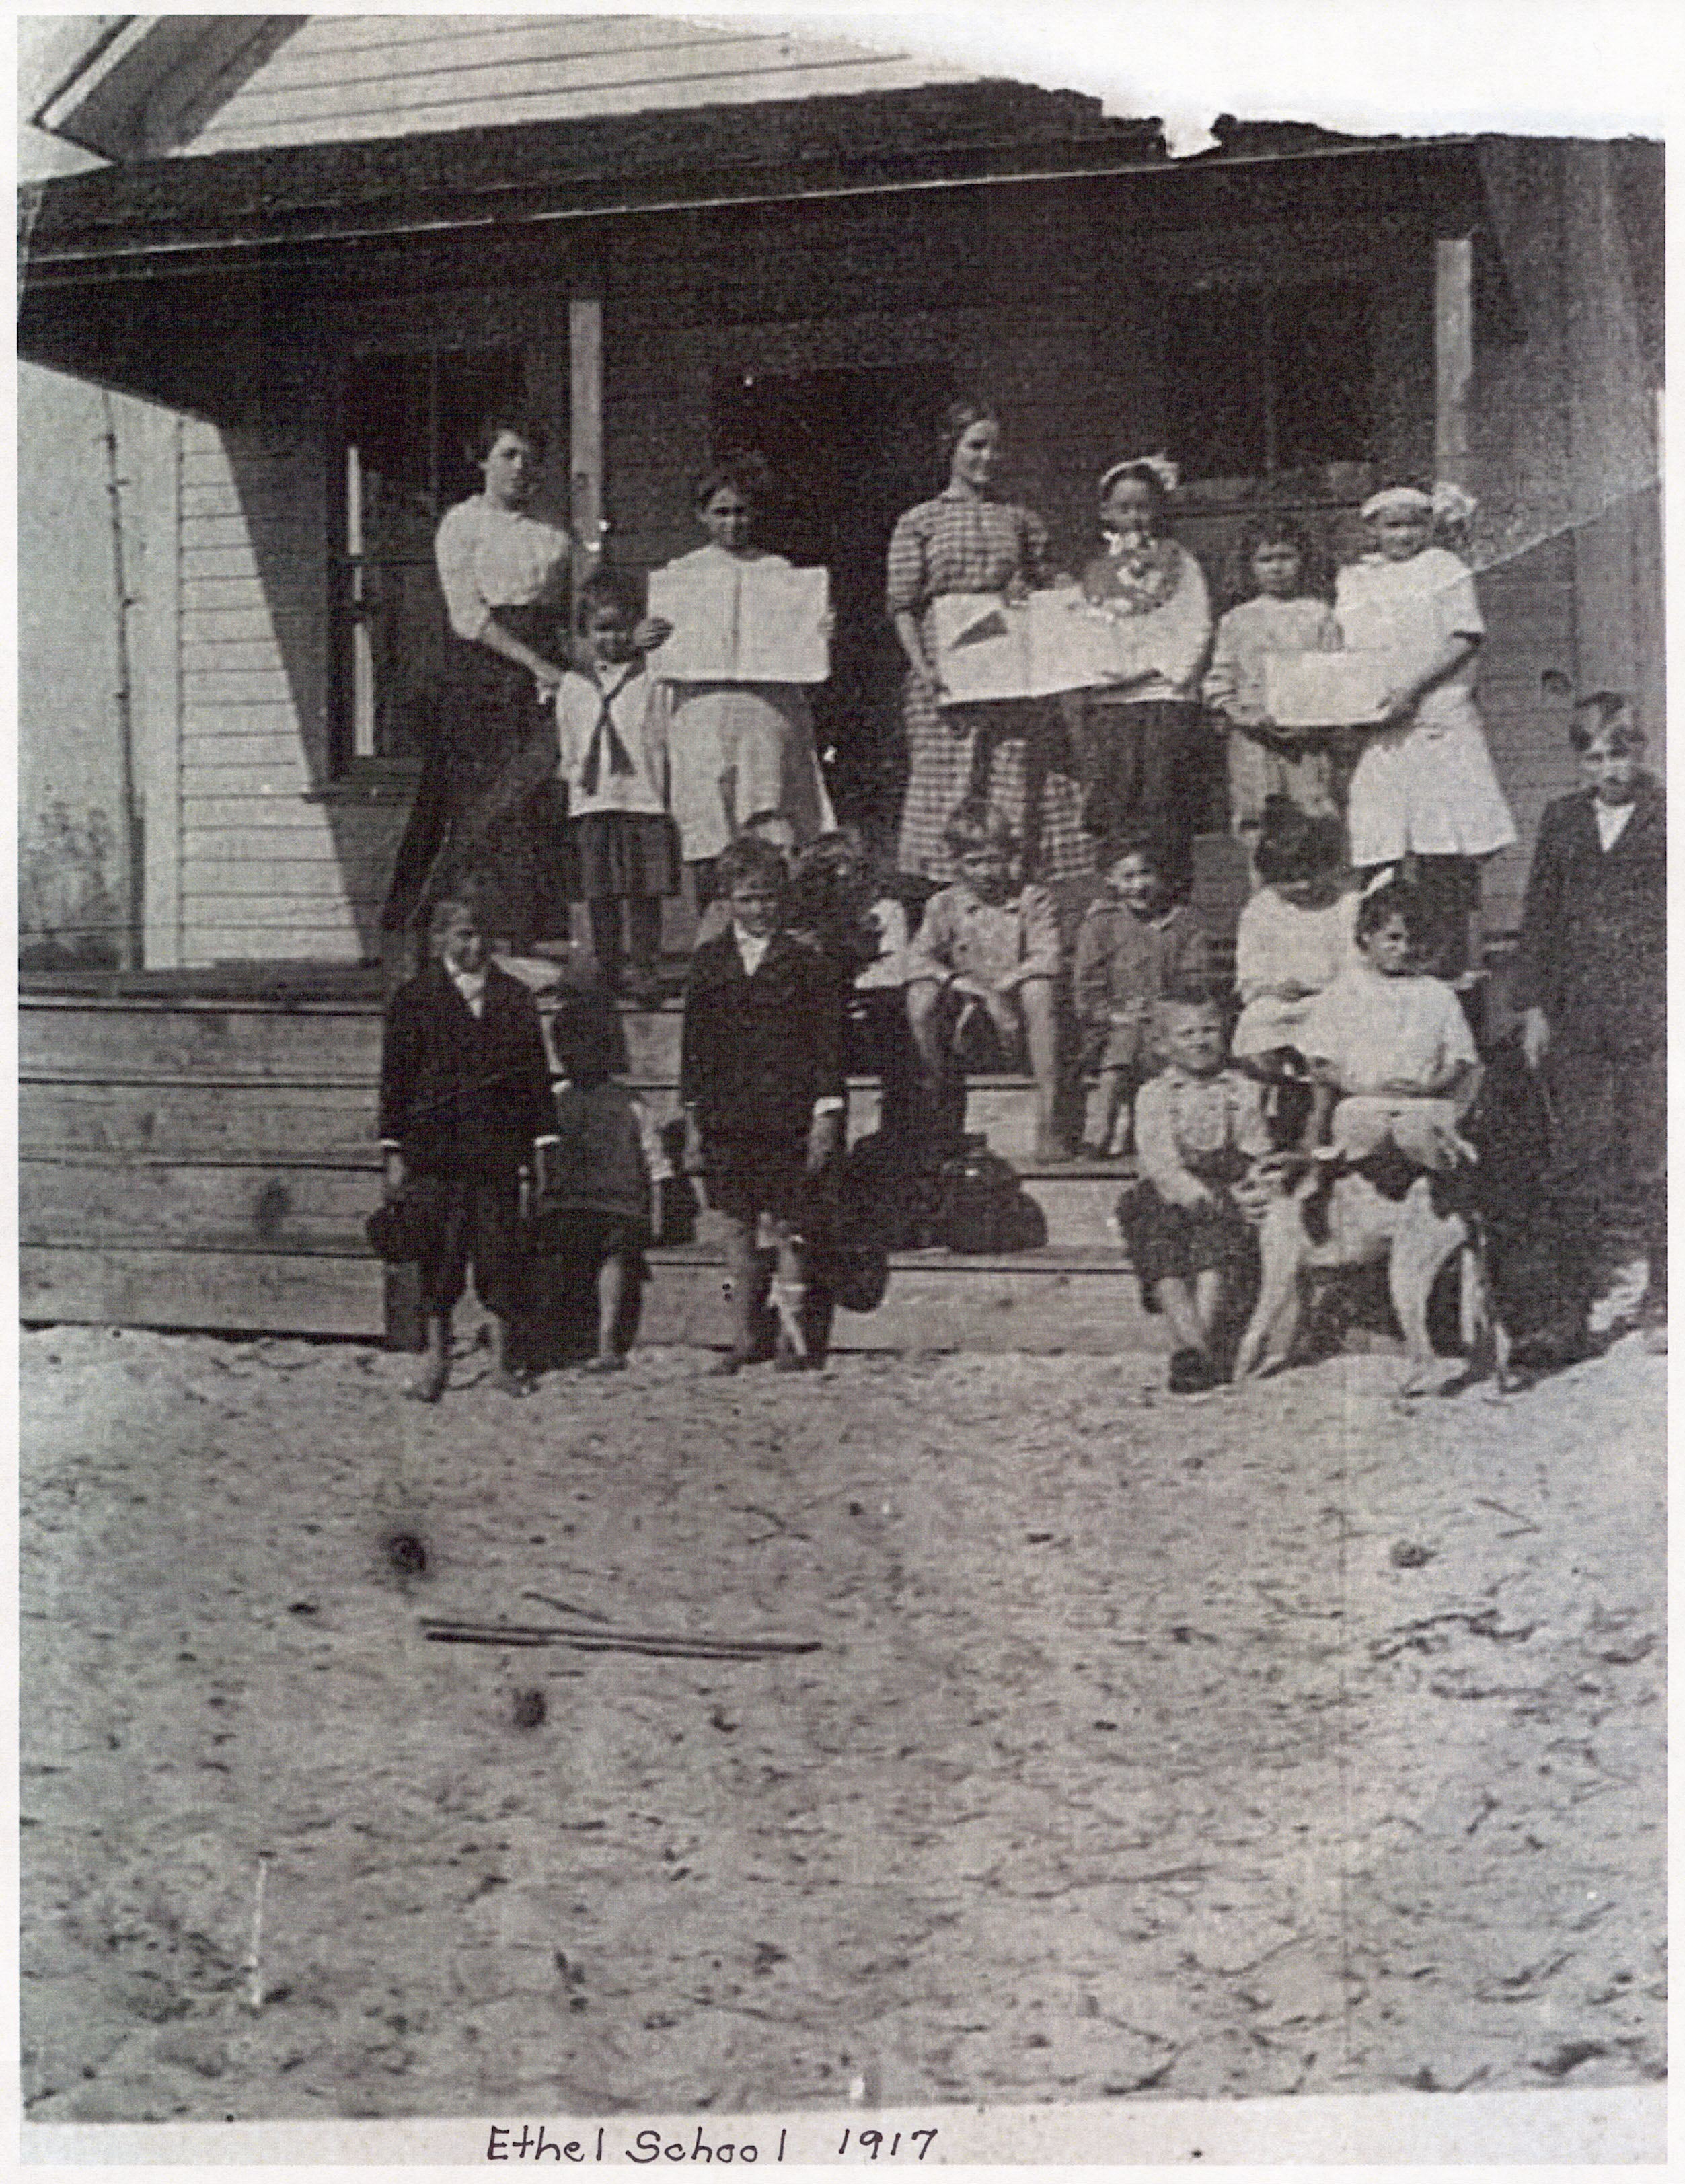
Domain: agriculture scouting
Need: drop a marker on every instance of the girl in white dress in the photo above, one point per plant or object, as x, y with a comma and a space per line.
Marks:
1424, 794
737, 749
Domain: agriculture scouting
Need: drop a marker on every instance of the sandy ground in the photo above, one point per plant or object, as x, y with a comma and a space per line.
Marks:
1275, 1740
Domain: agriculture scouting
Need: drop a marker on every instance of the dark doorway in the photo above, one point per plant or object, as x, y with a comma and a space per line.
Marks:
852, 451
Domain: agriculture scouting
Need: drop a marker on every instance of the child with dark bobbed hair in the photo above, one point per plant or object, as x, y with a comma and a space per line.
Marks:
1391, 1047
737, 748
1295, 936
1284, 609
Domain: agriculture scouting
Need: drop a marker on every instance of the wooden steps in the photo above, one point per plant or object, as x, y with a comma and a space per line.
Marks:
1043, 1301
206, 1159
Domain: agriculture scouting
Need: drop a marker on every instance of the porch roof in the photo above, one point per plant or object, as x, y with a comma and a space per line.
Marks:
278, 209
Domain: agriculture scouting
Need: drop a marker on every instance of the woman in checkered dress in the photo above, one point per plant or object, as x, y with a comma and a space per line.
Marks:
1010, 751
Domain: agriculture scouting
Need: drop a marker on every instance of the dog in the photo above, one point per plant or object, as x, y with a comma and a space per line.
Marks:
1309, 1217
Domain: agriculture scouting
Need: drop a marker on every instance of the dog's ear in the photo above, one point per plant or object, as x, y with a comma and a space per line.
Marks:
1555, 684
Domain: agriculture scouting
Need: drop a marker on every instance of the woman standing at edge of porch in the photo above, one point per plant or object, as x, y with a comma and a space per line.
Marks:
485, 813
1001, 752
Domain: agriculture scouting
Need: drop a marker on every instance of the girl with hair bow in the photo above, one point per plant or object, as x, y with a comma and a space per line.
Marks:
1424, 797
1142, 766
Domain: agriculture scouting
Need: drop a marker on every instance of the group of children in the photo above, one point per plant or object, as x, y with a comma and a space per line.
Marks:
1362, 846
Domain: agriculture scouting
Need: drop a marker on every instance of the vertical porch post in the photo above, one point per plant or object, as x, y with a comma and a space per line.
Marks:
585, 427
1453, 354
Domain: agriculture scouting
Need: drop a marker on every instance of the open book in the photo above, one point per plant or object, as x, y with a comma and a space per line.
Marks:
1054, 641
742, 621
1328, 689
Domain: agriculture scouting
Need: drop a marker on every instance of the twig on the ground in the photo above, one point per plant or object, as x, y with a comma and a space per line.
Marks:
254, 1956
567, 1607
677, 1646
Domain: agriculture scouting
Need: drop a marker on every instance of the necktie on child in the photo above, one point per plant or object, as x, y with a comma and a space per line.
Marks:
605, 737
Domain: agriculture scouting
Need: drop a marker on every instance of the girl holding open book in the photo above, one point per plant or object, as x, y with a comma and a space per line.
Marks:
1001, 751
737, 748
1424, 796
1144, 763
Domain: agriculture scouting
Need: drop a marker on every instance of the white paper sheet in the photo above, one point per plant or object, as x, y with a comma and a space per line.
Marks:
1327, 689
1053, 641
742, 621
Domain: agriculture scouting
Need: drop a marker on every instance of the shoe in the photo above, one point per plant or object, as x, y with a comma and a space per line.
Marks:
732, 1361
429, 1384
1192, 1373
610, 1362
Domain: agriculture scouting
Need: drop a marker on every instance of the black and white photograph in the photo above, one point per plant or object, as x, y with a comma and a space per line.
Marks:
842, 1084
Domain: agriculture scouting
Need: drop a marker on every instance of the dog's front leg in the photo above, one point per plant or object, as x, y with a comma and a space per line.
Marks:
1422, 1244
1282, 1247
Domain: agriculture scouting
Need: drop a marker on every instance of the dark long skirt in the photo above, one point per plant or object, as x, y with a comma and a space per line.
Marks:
489, 813
1147, 768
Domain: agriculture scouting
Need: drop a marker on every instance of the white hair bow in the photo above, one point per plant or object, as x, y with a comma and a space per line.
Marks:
1168, 473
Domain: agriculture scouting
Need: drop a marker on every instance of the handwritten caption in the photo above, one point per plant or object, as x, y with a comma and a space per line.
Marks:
533, 2142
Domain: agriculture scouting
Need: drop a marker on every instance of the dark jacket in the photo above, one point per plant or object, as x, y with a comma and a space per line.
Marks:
1123, 960
464, 1095
1594, 924
758, 1052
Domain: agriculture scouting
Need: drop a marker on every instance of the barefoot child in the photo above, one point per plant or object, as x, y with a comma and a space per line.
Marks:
761, 1079
1198, 1126
613, 719
600, 1175
1283, 615
1391, 1047
986, 960
1591, 981
465, 1100
1134, 944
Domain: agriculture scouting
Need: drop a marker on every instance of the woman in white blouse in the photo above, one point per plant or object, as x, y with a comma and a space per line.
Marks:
485, 814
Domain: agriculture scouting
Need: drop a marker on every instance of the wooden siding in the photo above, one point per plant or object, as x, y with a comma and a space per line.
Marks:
269, 866
342, 77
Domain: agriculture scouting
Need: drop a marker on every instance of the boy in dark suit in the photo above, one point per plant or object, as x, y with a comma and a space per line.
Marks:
464, 1098
1591, 983
760, 1077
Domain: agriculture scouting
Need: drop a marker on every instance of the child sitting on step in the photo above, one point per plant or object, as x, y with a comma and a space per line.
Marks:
982, 973
1391, 1049
1134, 943
1199, 1126
1295, 935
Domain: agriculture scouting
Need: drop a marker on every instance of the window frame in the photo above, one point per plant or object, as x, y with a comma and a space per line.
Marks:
1334, 475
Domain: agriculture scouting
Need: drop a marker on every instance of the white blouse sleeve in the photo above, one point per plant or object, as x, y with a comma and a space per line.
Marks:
1185, 641
454, 550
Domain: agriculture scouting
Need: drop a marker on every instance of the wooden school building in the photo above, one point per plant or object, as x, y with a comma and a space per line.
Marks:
305, 253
